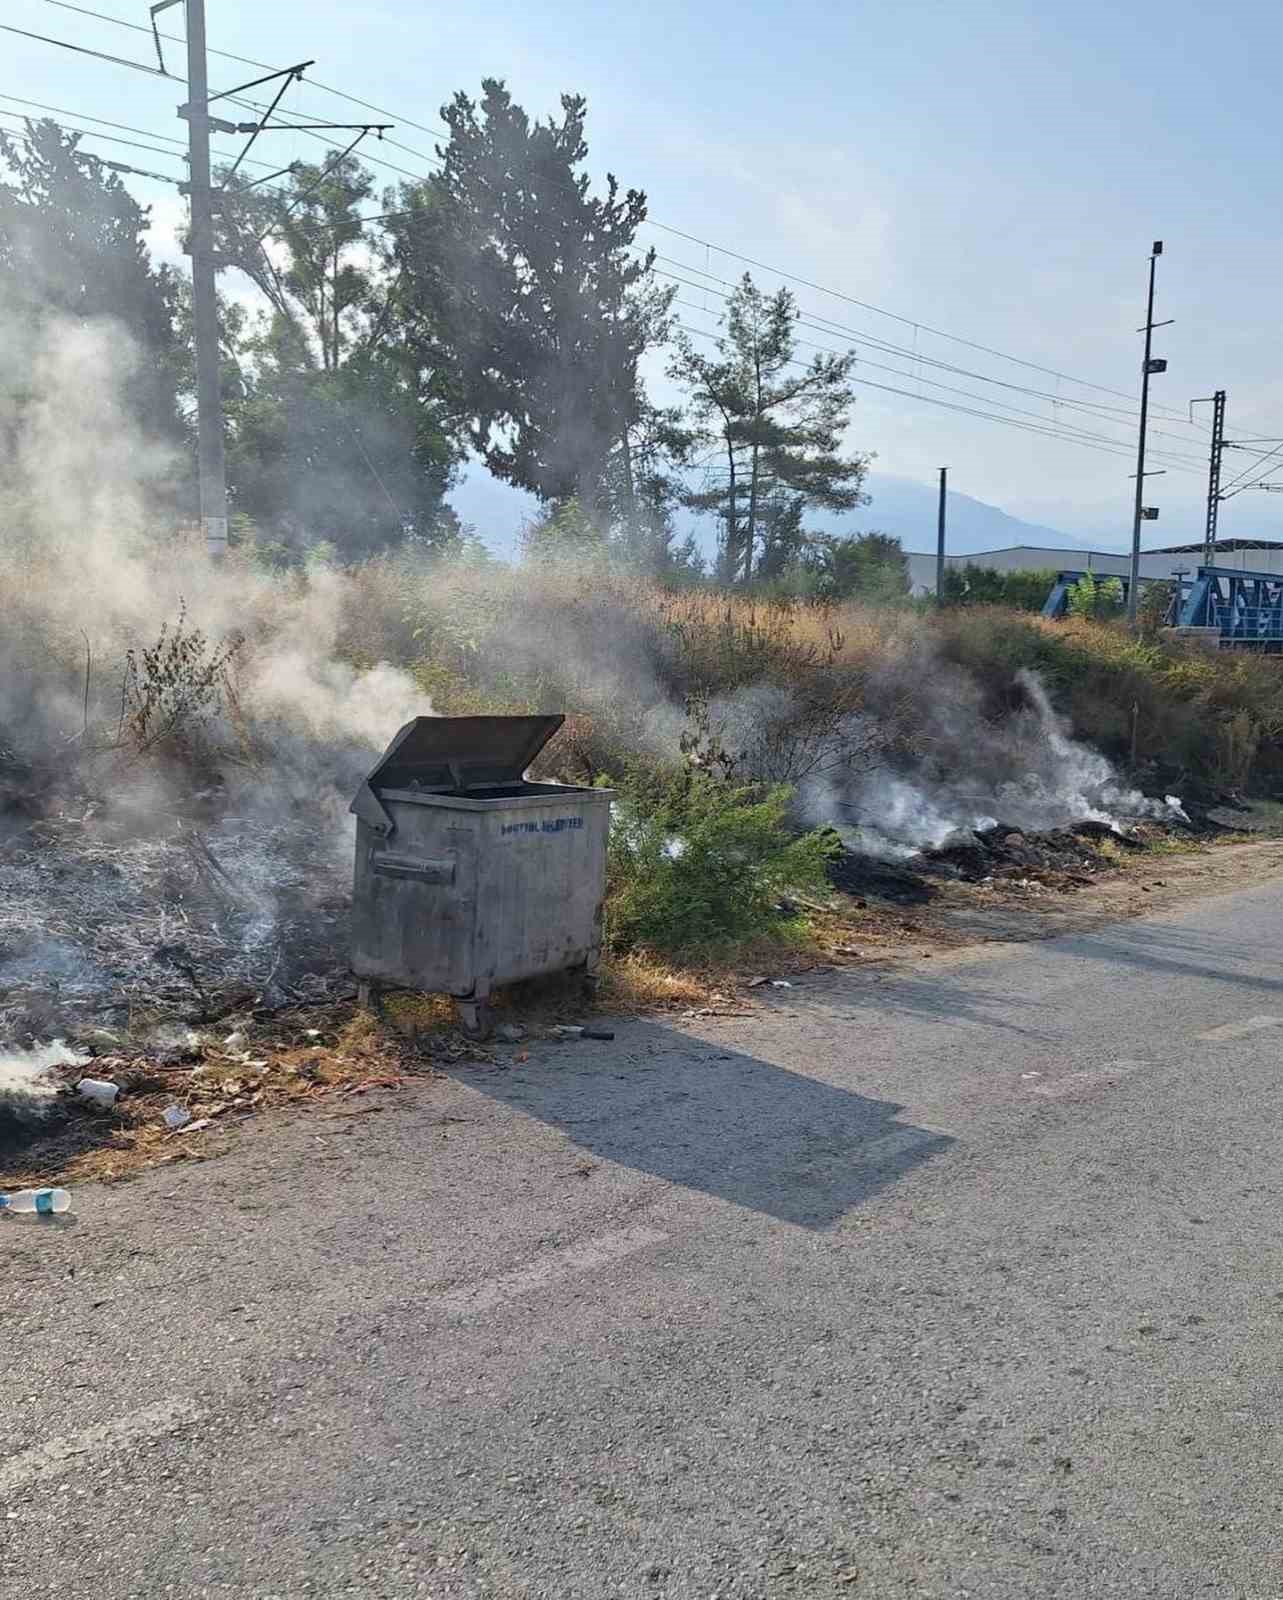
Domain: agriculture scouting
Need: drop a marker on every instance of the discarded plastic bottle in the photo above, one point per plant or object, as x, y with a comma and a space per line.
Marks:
43, 1201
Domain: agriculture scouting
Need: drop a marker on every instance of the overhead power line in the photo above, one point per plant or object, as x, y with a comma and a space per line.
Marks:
861, 338
1228, 491
866, 305
810, 319
90, 133
1062, 430
1048, 431
63, 111
778, 272
98, 161
84, 50
249, 61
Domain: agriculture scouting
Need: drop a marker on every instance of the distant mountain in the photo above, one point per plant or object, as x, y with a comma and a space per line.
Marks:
900, 506
907, 509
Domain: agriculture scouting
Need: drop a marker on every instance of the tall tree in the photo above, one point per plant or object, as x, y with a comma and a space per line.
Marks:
339, 434
644, 487
521, 283
776, 424
72, 243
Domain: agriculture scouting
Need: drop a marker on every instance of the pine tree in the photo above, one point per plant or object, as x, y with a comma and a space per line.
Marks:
777, 424
522, 283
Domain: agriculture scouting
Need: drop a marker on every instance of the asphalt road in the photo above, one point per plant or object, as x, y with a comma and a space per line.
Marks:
966, 1281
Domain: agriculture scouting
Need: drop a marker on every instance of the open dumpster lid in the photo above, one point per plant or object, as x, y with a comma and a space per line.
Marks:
448, 753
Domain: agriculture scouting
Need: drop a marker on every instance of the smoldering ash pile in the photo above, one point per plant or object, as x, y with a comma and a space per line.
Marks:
972, 773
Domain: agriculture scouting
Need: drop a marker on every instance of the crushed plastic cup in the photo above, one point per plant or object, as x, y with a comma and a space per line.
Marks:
175, 1116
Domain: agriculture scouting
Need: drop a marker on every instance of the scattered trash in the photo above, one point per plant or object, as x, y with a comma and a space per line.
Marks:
41, 1202
234, 1041
599, 1033
780, 983
312, 1033
565, 1030
98, 1091
196, 1127
175, 1116
522, 1055
510, 1033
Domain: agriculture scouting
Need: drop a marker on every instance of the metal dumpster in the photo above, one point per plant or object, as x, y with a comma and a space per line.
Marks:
467, 876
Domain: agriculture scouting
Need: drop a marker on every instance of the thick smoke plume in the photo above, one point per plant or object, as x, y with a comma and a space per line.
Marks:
84, 559
971, 771
92, 570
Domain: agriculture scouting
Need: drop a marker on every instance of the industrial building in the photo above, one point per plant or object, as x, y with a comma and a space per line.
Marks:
1250, 555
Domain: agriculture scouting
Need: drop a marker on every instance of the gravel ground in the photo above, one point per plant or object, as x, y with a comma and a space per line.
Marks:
960, 1281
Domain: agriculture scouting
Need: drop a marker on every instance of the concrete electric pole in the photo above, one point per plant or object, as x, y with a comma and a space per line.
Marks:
1149, 366
209, 400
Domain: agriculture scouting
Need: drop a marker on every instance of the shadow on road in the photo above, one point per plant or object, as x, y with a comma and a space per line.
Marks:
1178, 952
951, 998
718, 1121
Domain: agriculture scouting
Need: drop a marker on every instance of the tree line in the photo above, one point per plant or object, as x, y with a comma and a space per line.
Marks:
500, 310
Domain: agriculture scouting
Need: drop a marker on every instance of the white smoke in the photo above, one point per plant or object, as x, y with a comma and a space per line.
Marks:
26, 1088
1028, 772
92, 566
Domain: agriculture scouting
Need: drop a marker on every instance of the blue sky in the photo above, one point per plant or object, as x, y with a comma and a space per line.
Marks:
994, 170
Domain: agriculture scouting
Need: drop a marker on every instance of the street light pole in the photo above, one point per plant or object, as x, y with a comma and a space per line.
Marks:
1148, 366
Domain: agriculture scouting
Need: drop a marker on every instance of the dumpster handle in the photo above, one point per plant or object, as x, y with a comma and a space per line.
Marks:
390, 866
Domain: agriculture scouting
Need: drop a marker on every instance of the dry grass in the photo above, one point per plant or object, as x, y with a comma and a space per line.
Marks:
338, 1054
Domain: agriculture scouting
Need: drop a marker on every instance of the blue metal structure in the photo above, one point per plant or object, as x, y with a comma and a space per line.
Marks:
1246, 607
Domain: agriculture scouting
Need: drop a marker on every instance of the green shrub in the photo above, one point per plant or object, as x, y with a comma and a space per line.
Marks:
696, 862
1097, 599
1024, 589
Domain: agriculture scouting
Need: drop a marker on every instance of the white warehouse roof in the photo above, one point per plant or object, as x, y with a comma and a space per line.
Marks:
1257, 555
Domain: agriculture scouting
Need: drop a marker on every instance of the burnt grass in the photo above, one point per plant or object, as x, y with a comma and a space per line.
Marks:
1067, 857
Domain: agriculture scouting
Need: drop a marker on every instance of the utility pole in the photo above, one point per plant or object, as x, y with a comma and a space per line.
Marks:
209, 400
1214, 477
1148, 366
944, 475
